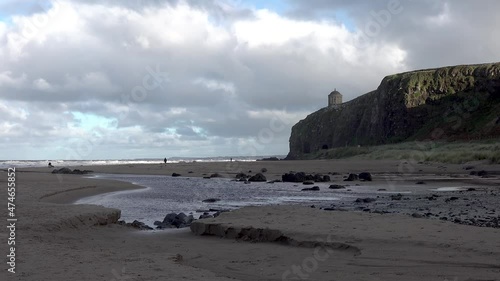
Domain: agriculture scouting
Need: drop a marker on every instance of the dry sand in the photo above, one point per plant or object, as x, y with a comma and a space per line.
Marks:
57, 241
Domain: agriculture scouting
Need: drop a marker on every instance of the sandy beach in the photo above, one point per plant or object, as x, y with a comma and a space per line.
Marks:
56, 240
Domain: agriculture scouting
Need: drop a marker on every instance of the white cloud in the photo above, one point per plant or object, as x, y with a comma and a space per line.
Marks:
231, 70
271, 29
441, 19
8, 80
12, 113
42, 85
92, 81
143, 42
214, 85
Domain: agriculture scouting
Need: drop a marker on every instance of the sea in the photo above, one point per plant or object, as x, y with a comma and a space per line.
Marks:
73, 163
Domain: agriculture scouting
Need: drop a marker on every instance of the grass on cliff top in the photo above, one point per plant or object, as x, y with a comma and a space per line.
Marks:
445, 152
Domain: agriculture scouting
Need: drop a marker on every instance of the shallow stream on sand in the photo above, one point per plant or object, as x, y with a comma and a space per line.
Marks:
165, 194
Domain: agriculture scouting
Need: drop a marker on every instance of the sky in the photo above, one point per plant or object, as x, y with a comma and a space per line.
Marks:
124, 79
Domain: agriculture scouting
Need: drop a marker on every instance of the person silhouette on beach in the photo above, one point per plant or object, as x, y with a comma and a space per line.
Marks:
50, 165
165, 160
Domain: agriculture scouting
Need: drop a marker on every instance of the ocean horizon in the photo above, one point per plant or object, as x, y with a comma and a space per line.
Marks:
100, 162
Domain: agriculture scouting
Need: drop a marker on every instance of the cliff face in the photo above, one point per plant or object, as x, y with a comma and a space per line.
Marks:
460, 102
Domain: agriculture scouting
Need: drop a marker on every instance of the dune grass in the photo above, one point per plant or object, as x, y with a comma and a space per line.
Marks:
445, 152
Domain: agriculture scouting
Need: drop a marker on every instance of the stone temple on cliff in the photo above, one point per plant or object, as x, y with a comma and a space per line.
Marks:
334, 99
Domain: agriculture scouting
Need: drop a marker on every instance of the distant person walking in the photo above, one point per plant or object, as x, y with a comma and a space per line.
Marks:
165, 160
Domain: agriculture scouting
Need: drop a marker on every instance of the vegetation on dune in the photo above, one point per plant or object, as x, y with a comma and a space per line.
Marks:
428, 151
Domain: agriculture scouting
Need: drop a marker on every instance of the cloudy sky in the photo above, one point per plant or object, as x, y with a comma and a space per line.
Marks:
121, 79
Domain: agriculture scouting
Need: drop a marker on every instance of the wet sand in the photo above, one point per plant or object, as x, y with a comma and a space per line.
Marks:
59, 241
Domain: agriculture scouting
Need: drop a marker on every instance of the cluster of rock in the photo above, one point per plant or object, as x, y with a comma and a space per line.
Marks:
471, 206
303, 177
269, 159
136, 224
68, 171
210, 213
174, 220
361, 176
259, 177
481, 173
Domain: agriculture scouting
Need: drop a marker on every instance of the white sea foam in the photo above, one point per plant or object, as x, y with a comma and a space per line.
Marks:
75, 163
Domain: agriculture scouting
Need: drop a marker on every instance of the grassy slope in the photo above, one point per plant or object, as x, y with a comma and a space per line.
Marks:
446, 152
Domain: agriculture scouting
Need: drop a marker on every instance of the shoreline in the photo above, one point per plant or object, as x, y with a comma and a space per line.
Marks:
71, 196
384, 171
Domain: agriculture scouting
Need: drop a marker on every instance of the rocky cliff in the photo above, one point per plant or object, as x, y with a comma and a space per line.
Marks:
450, 103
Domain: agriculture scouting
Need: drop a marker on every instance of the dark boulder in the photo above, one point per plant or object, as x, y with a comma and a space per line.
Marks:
453, 198
206, 216
169, 218
365, 200
136, 224
318, 178
216, 175
80, 172
352, 177
174, 220
62, 171
211, 200
68, 171
176, 175
397, 197
365, 176
269, 159
294, 177
288, 177
321, 178
336, 186
300, 176
314, 188
482, 173
240, 176
182, 220
258, 178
